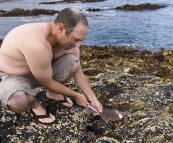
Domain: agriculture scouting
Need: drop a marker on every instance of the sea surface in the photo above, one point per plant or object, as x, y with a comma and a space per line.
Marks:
147, 29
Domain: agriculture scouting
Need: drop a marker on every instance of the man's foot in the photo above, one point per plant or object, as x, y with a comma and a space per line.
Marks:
60, 99
41, 115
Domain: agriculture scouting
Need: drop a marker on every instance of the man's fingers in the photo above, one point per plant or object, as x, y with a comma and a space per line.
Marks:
100, 108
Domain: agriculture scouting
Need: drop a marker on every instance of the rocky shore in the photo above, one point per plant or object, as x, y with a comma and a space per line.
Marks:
36, 12
138, 83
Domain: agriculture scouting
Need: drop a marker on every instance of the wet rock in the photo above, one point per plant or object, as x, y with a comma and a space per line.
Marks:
22, 12
4, 0
59, 2
145, 6
70, 1
93, 0
93, 9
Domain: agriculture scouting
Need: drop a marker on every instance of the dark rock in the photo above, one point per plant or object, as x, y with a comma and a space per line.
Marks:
93, 9
4, 0
71, 1
22, 12
93, 0
145, 6
52, 2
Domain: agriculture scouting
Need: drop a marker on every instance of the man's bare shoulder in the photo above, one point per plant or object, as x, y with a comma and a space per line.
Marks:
24, 37
24, 34
36, 40
24, 43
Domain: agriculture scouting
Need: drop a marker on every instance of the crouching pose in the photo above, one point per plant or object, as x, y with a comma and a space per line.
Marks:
44, 54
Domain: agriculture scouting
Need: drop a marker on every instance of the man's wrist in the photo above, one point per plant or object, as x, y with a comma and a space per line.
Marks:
92, 98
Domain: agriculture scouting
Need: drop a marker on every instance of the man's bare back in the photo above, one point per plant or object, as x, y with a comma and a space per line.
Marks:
12, 59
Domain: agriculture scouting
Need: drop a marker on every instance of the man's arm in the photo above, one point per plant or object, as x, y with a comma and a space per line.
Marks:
84, 86
39, 60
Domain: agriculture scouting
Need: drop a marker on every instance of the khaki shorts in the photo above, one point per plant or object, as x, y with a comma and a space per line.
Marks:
27, 83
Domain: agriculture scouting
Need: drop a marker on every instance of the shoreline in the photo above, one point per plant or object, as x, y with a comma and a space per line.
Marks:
139, 83
133, 61
133, 38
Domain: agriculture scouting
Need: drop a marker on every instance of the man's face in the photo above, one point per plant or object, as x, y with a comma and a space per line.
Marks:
75, 37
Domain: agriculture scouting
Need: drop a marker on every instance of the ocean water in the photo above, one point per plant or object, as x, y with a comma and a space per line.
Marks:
147, 29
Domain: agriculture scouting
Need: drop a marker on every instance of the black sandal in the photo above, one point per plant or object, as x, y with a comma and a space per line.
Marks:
47, 115
59, 102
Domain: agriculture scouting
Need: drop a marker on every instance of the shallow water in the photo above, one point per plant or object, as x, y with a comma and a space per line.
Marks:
148, 29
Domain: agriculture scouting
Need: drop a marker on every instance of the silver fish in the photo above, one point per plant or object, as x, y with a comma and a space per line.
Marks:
109, 114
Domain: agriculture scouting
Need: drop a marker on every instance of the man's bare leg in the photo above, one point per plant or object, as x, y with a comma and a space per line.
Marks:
55, 96
20, 102
39, 110
59, 97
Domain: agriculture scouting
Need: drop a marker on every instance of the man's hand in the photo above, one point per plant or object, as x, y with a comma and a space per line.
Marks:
96, 105
81, 100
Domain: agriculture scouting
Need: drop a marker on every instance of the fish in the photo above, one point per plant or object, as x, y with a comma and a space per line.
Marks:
109, 114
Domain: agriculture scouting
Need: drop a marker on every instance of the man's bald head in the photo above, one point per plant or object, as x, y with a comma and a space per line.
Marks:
70, 17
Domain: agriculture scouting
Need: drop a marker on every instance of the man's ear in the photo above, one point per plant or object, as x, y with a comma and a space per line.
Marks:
61, 27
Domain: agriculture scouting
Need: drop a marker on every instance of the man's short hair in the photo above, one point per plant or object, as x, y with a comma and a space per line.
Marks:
70, 17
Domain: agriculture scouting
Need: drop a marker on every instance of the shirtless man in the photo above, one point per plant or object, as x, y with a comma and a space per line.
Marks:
44, 54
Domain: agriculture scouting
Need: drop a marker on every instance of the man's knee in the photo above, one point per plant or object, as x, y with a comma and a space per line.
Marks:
20, 101
75, 67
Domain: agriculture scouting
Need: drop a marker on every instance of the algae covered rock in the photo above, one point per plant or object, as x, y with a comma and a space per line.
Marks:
97, 59
22, 12
145, 6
